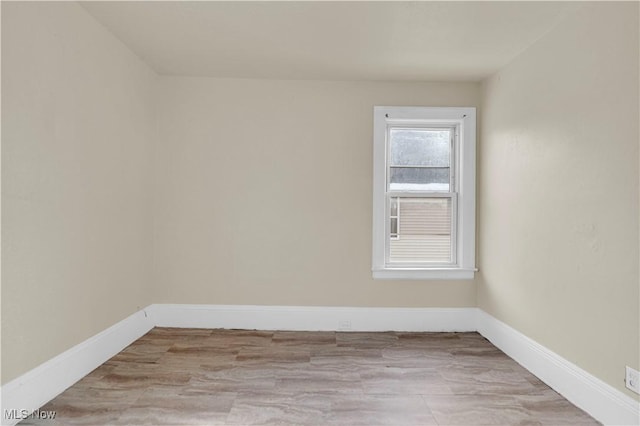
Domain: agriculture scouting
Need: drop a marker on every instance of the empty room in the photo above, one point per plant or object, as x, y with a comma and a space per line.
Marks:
299, 212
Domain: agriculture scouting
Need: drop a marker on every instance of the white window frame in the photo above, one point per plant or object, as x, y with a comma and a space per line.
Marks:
463, 168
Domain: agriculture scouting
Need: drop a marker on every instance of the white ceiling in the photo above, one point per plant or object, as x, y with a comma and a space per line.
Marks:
329, 40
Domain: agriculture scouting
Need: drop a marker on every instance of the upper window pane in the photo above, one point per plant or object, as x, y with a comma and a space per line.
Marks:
419, 159
420, 147
419, 178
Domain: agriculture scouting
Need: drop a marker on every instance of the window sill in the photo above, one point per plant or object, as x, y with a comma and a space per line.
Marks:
424, 274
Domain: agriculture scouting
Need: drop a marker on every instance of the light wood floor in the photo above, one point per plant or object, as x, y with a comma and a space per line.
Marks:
207, 377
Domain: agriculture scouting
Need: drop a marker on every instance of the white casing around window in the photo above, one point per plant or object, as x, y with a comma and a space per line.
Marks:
465, 120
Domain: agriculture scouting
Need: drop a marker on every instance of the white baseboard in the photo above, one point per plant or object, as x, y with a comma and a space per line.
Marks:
313, 318
602, 401
40, 385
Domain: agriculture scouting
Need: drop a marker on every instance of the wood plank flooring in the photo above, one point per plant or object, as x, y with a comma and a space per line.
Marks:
236, 377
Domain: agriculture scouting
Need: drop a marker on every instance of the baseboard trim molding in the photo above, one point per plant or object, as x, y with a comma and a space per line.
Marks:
313, 318
602, 401
38, 386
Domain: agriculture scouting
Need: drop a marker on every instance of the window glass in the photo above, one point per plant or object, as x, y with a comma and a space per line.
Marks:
419, 159
393, 217
424, 231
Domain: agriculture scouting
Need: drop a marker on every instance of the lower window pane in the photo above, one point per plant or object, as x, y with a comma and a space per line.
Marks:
424, 231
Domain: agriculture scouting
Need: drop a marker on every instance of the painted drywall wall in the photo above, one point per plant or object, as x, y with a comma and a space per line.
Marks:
77, 129
558, 226
264, 193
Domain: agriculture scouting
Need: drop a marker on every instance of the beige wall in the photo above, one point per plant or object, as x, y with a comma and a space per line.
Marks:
264, 193
559, 192
77, 125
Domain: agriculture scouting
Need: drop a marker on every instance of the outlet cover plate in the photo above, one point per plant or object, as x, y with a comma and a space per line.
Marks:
344, 325
632, 379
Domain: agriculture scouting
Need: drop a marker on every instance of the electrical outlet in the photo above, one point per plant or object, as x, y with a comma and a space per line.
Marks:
632, 379
344, 325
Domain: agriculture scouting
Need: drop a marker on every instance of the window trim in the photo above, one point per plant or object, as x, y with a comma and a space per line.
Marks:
465, 164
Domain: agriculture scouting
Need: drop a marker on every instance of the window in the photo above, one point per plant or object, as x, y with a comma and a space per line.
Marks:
424, 193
